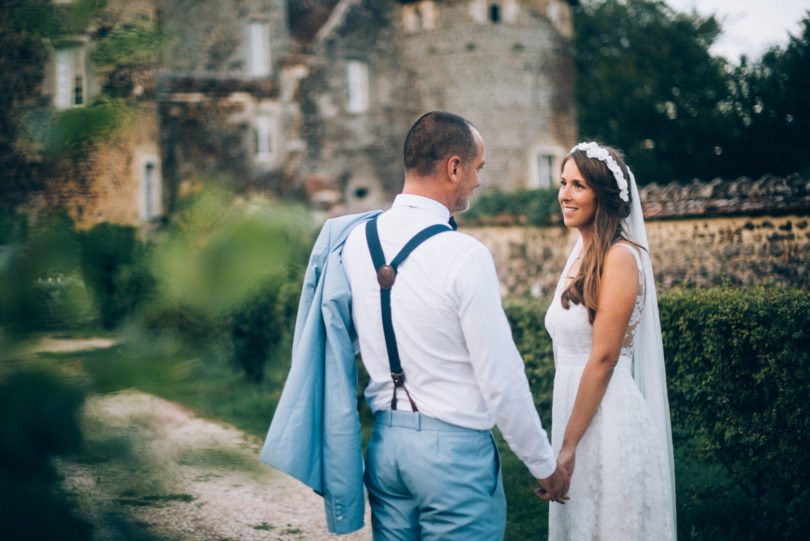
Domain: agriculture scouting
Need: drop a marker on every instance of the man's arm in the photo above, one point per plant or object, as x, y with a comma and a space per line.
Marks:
500, 371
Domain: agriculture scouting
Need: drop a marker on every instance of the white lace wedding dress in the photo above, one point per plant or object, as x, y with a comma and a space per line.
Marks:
620, 489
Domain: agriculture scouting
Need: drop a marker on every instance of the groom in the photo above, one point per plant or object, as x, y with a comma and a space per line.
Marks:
432, 469
442, 365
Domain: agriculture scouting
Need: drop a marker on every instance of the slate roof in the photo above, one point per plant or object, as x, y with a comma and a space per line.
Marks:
767, 195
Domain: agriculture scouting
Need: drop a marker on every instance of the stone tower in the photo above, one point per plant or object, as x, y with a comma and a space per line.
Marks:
505, 65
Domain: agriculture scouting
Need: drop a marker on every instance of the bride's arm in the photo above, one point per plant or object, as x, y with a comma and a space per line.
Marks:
617, 297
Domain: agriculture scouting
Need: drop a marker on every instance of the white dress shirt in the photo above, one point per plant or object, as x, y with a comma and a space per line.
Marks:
455, 345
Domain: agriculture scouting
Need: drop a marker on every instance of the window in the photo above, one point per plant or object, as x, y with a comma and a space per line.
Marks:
357, 100
410, 18
544, 168
545, 171
265, 141
151, 188
495, 13
69, 77
428, 16
258, 49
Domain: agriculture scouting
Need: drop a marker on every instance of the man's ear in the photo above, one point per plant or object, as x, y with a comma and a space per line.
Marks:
454, 168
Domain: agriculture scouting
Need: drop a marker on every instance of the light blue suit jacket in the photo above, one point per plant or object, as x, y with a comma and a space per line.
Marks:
315, 432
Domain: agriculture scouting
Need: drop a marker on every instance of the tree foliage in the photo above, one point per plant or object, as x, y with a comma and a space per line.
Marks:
649, 85
770, 103
21, 63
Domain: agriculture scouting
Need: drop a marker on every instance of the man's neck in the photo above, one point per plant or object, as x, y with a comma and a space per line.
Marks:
426, 187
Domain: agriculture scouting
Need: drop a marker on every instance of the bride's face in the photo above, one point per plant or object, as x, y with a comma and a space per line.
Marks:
577, 198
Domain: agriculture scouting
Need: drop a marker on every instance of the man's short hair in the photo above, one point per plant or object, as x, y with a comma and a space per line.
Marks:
434, 138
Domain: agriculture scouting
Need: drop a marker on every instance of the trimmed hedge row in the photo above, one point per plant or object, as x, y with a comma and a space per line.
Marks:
538, 207
739, 374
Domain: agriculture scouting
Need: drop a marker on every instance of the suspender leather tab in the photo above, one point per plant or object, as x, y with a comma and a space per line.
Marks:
386, 275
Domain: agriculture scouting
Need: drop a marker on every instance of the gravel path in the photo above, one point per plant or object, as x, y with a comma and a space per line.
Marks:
177, 476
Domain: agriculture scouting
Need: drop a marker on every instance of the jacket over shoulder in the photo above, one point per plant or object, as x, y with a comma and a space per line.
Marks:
315, 432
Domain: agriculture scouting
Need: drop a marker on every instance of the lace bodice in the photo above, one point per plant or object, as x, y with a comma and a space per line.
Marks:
570, 330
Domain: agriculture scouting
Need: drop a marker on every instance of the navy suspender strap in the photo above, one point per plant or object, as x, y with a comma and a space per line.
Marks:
386, 275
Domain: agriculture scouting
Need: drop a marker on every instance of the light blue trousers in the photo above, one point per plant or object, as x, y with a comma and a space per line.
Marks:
430, 480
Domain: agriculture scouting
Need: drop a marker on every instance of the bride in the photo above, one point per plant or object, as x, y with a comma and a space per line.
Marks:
610, 414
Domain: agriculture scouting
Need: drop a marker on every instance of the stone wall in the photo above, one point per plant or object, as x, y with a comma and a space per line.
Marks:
511, 75
700, 252
105, 184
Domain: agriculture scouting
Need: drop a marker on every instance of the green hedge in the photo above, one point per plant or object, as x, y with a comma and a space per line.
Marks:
112, 262
537, 207
41, 286
227, 275
528, 330
739, 375
220, 280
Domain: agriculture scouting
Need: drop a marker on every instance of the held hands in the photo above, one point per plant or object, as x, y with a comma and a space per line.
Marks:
554, 488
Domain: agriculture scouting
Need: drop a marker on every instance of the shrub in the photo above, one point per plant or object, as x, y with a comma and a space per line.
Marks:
40, 281
111, 260
537, 207
739, 374
261, 326
220, 271
13, 227
38, 420
528, 330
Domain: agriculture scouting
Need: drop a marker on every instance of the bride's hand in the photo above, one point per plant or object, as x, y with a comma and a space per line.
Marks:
566, 458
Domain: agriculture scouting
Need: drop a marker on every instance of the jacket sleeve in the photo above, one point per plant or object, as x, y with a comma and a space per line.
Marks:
344, 497
294, 440
315, 432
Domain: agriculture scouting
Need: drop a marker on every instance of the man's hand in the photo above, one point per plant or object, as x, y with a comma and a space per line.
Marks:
554, 488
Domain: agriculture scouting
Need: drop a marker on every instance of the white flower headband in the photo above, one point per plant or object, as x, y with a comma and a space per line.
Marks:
593, 150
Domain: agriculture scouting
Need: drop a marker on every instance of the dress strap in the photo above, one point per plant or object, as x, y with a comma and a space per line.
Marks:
642, 282
634, 250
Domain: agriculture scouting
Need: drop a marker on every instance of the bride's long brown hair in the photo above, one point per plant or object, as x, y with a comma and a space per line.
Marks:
607, 227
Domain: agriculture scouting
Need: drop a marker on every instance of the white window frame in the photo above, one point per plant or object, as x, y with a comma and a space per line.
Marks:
544, 167
70, 76
150, 200
265, 138
545, 170
258, 56
429, 15
410, 18
357, 87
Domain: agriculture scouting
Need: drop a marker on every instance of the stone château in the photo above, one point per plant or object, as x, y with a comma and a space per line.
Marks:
314, 105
